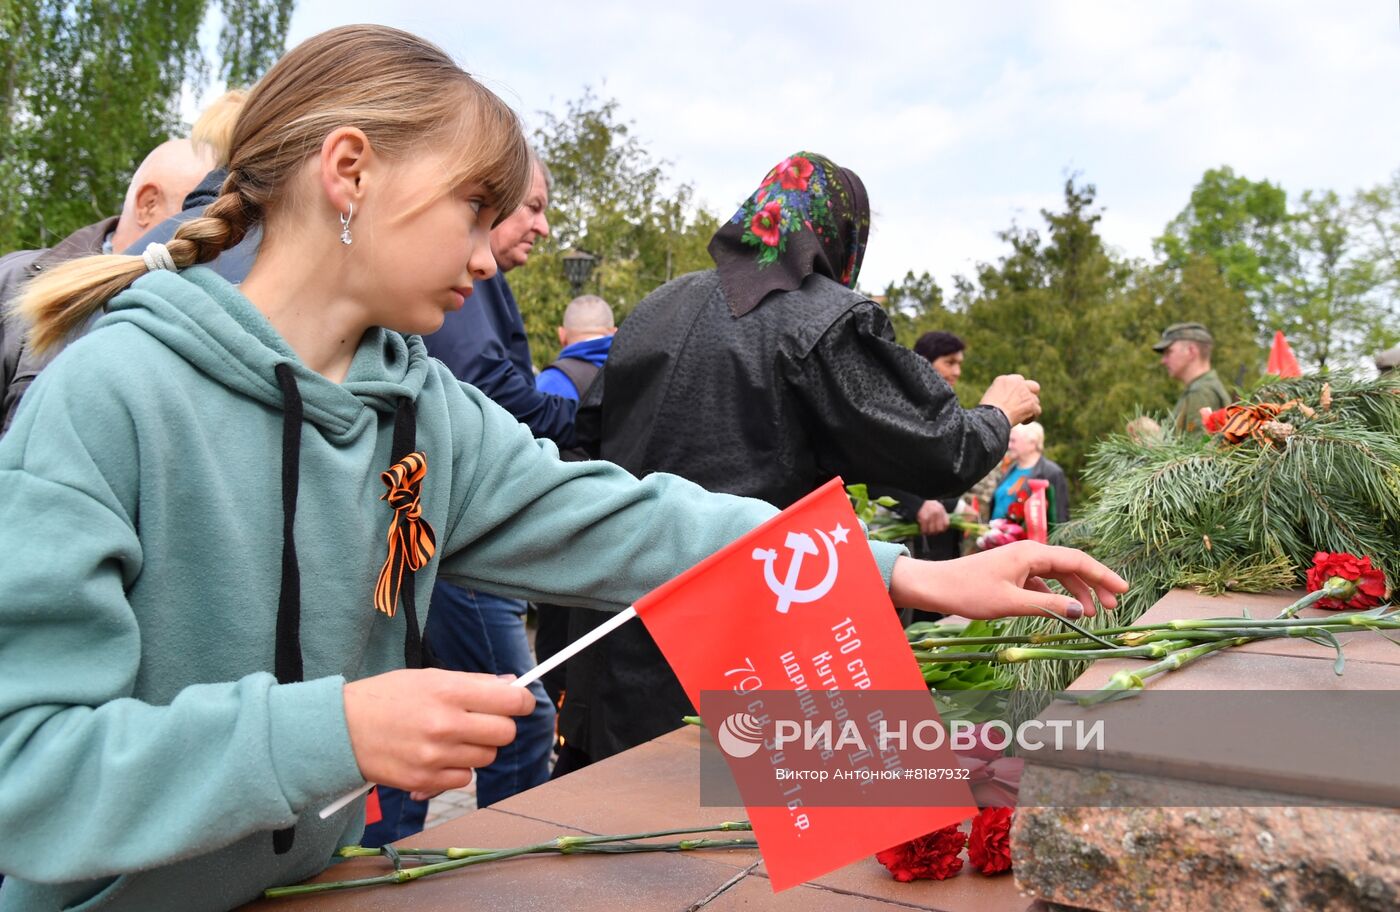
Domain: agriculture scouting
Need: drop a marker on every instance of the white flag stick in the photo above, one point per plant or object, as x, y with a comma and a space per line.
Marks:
529, 677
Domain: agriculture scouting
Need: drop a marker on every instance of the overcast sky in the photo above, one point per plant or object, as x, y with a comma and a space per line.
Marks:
962, 117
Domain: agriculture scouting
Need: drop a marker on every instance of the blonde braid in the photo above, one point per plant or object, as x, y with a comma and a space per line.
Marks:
224, 223
59, 301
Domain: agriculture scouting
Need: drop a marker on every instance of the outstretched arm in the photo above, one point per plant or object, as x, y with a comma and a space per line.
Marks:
1007, 581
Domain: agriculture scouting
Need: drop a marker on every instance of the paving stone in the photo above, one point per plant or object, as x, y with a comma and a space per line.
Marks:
1185, 603
757, 893
1238, 719
653, 786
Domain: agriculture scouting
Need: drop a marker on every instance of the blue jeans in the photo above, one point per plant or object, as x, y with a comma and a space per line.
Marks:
402, 817
471, 630
475, 631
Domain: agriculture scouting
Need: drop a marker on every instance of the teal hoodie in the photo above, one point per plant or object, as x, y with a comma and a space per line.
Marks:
146, 748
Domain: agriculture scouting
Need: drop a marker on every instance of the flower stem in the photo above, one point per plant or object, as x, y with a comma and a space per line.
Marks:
1337, 587
1126, 681
563, 845
1152, 651
1311, 598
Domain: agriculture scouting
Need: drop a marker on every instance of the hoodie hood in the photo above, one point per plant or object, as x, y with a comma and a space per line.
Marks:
208, 322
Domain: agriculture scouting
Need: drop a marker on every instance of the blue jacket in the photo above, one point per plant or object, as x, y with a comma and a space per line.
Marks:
484, 344
594, 351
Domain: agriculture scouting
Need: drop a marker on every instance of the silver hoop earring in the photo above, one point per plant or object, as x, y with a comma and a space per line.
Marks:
345, 226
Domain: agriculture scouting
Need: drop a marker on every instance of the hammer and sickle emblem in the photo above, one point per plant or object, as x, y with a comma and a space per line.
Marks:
787, 591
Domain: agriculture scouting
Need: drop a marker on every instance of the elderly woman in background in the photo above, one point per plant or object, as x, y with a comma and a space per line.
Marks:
1026, 449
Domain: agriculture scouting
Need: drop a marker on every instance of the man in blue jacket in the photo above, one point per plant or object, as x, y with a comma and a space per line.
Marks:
586, 338
485, 345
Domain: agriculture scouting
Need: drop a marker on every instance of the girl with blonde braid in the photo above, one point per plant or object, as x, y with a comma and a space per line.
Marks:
222, 508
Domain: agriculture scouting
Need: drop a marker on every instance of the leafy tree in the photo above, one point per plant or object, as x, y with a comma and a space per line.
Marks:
915, 305
1051, 310
1376, 220
1238, 223
1326, 273
1326, 300
252, 38
1377, 213
90, 86
611, 198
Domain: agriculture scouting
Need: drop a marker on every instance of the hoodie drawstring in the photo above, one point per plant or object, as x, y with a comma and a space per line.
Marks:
288, 662
412, 535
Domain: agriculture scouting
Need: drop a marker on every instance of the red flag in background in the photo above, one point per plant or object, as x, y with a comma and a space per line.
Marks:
802, 590
1281, 360
373, 812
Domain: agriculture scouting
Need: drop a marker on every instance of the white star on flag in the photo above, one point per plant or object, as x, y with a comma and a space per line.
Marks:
839, 533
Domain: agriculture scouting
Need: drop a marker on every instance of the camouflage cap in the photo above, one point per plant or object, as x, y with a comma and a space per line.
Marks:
1183, 332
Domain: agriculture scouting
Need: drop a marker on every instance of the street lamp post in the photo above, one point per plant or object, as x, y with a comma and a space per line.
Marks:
578, 266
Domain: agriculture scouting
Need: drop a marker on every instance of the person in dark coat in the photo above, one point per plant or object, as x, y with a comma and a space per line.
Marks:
765, 377
937, 541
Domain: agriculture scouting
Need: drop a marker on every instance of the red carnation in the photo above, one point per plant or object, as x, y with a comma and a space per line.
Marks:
1214, 421
794, 173
931, 857
1370, 582
767, 223
989, 846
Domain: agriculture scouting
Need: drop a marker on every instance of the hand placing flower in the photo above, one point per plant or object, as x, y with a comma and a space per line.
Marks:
1336, 570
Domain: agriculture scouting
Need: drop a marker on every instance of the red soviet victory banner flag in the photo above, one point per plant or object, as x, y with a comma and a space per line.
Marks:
780, 608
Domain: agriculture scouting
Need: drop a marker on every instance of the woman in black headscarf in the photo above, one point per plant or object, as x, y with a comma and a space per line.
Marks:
765, 377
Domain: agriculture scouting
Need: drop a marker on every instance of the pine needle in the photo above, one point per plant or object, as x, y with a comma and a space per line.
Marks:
1192, 510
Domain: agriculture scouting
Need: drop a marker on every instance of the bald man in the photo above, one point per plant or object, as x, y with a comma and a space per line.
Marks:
586, 337
159, 187
156, 192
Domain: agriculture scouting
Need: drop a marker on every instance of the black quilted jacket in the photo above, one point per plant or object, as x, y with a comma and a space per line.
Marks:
809, 385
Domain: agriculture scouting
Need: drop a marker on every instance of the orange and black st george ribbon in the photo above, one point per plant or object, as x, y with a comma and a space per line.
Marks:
411, 539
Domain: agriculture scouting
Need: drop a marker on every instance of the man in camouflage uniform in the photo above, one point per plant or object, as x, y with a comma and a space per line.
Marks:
1185, 350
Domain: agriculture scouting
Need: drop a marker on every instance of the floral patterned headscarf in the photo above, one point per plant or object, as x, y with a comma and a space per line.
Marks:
808, 216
